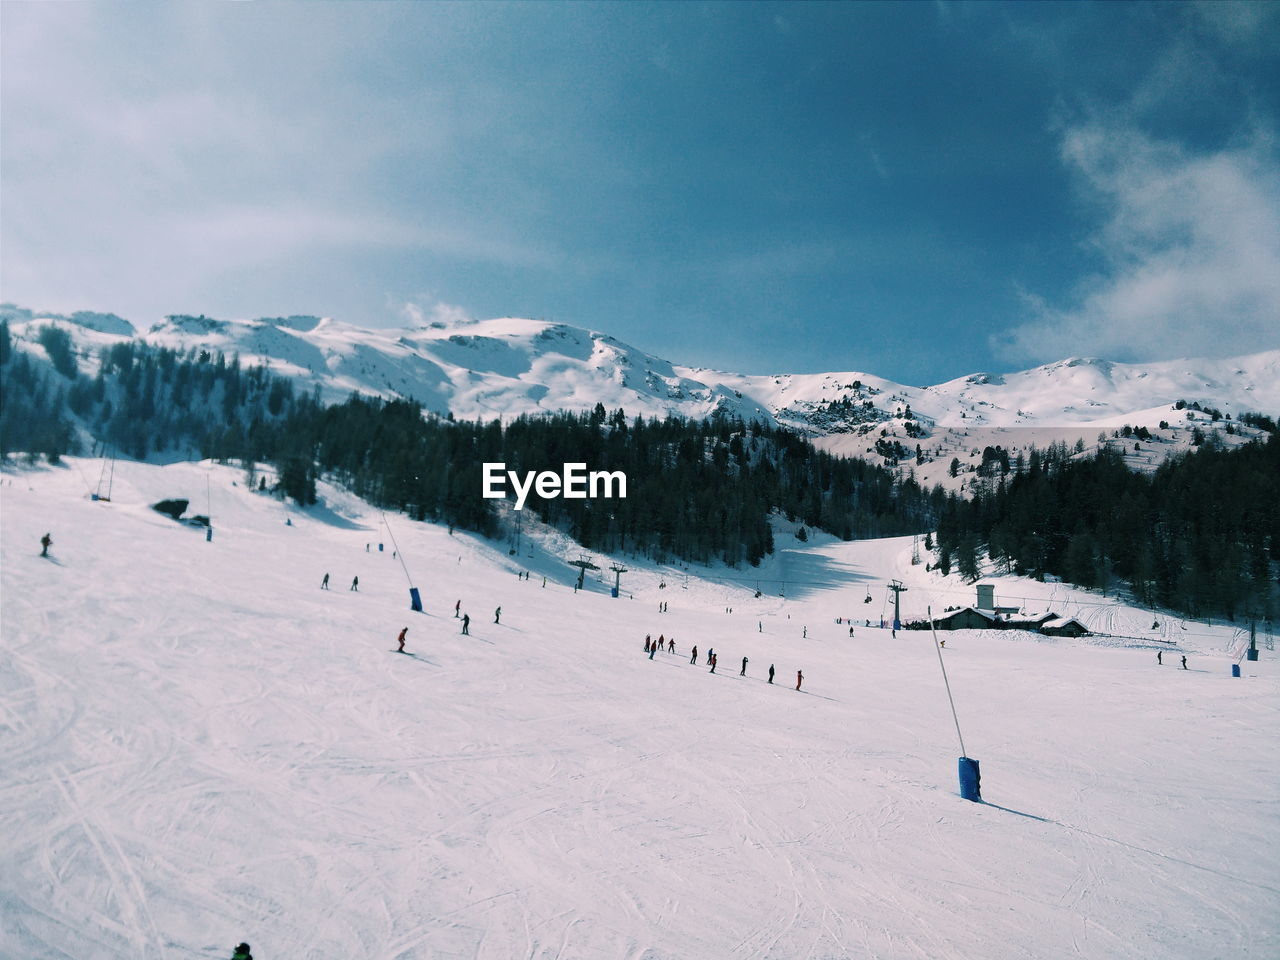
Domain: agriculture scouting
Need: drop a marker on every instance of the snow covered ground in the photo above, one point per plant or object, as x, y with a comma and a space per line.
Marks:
199, 746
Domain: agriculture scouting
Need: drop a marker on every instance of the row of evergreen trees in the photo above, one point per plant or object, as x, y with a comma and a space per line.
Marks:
697, 490
1201, 534
143, 400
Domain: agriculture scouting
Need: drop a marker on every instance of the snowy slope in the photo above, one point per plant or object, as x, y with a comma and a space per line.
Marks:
199, 746
506, 367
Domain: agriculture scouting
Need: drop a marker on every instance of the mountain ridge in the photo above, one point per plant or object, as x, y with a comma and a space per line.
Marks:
505, 367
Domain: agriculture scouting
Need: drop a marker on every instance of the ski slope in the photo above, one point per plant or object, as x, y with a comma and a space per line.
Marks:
199, 746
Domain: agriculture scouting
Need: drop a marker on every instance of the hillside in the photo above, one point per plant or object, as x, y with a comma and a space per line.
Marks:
506, 367
201, 746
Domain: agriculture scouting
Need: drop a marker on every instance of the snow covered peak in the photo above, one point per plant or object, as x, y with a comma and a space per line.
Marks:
508, 366
99, 322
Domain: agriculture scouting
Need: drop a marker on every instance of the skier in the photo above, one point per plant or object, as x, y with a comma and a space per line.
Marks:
799, 679
45, 543
1184, 663
851, 631
1160, 657
743, 671
712, 658
646, 644
806, 633
694, 658
355, 584
759, 626
242, 953
497, 615
401, 639
652, 651
324, 584
457, 607
671, 645
771, 673
661, 639
710, 654
466, 624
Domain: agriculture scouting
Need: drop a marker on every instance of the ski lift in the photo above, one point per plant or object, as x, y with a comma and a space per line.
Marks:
867, 598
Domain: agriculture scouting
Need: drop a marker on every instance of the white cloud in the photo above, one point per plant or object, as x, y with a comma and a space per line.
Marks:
1191, 247
439, 312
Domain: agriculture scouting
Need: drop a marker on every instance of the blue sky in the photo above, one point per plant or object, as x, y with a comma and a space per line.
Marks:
918, 190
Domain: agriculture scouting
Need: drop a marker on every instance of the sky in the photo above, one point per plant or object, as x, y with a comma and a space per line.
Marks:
917, 190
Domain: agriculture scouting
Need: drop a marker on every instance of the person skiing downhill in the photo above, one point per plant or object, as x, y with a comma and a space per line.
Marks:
799, 679
711, 654
652, 651
646, 644
771, 673
694, 658
1184, 663
743, 671
466, 624
457, 607
45, 543
671, 645
497, 615
1160, 657
324, 584
712, 658
403, 631
355, 584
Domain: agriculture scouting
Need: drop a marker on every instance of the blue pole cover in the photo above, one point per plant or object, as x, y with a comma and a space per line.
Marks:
970, 780
415, 599
1235, 669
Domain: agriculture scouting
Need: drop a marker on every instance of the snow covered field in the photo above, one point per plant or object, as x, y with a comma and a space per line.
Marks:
199, 746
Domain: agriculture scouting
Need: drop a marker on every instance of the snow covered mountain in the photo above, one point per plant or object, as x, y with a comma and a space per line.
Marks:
511, 366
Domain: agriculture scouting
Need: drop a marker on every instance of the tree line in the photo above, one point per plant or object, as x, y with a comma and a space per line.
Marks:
1201, 534
698, 491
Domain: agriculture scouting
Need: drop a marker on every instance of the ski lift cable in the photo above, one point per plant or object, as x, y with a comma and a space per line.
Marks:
396, 546
88, 488
947, 683
102, 473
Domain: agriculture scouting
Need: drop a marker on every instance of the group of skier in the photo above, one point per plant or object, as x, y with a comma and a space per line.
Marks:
355, 583
457, 615
1160, 659
668, 645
